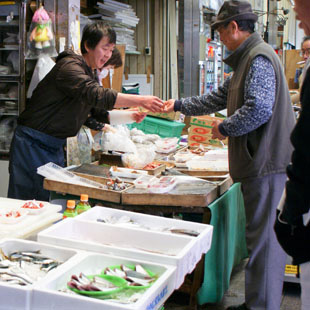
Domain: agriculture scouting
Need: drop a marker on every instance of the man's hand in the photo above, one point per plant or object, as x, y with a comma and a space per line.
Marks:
215, 131
152, 103
169, 106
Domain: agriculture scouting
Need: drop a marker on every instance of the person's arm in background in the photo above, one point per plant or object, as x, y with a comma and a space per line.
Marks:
297, 200
200, 105
151, 103
82, 85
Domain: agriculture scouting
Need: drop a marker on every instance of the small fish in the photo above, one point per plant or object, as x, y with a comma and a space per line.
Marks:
125, 268
138, 281
101, 282
141, 270
83, 279
14, 275
120, 273
138, 275
49, 267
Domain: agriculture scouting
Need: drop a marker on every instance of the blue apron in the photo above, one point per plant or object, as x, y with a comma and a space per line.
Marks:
31, 149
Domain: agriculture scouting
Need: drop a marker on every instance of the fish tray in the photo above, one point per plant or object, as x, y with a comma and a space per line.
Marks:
115, 160
95, 193
182, 195
31, 223
18, 297
181, 251
48, 296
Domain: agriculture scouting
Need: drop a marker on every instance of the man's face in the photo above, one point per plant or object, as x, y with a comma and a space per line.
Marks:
227, 36
305, 49
302, 9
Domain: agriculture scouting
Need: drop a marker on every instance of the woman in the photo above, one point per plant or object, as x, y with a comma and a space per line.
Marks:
58, 108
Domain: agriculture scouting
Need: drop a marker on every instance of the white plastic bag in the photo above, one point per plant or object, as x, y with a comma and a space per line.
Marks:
139, 159
44, 65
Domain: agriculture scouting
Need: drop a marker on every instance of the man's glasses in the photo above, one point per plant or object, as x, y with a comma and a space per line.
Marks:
305, 52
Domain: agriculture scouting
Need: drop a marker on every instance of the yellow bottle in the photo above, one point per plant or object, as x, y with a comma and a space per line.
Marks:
83, 204
70, 211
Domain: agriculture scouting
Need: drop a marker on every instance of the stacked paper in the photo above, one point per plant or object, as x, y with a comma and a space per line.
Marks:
123, 18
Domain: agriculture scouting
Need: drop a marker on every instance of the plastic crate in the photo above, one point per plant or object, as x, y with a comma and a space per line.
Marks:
162, 127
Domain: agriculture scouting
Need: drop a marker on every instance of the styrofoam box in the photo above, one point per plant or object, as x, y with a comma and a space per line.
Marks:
184, 252
30, 223
17, 297
150, 222
46, 295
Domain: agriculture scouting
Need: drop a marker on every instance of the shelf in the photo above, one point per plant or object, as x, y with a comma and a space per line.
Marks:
11, 48
8, 99
9, 75
12, 23
132, 53
9, 114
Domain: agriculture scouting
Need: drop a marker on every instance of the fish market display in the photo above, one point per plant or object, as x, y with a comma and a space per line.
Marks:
121, 283
127, 221
33, 205
116, 184
24, 267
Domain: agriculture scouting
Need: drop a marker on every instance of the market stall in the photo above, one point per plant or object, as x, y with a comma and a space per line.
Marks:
195, 181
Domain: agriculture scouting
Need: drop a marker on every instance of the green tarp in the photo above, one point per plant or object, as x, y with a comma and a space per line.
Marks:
228, 246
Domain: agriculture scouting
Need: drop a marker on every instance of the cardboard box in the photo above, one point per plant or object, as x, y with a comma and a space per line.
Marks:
201, 131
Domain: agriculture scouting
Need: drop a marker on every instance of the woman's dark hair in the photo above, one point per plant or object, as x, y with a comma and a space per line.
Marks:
244, 25
115, 60
94, 32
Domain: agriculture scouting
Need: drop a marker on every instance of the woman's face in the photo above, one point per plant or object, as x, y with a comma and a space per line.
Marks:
98, 56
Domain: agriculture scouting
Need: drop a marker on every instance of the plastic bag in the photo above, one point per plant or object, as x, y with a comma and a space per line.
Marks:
140, 158
44, 65
13, 58
117, 142
41, 39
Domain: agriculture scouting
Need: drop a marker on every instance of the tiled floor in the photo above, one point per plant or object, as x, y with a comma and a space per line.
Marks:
235, 295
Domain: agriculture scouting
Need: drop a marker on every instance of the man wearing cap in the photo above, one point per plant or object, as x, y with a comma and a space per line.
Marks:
260, 120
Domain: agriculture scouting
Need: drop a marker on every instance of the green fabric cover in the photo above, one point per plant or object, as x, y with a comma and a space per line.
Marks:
228, 246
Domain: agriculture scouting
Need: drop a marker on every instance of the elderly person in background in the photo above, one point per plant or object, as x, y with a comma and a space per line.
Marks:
305, 53
260, 120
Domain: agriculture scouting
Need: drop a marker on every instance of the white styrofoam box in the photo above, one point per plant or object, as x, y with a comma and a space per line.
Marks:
154, 223
178, 250
30, 223
46, 294
17, 297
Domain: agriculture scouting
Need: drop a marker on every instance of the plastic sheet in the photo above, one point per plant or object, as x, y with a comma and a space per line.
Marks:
57, 173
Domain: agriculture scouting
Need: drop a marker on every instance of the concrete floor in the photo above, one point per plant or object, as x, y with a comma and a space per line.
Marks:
235, 295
